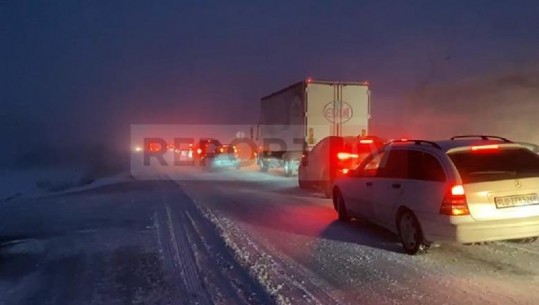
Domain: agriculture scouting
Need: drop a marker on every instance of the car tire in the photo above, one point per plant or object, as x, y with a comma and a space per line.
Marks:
340, 206
410, 233
287, 168
302, 184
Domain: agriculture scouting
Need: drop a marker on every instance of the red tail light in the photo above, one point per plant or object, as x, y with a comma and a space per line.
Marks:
454, 202
154, 147
199, 151
366, 141
346, 156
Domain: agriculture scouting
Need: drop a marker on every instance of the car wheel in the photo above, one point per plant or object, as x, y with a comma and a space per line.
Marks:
341, 207
287, 169
302, 184
410, 233
263, 167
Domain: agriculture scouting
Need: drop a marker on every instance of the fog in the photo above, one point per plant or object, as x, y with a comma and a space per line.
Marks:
75, 76
504, 104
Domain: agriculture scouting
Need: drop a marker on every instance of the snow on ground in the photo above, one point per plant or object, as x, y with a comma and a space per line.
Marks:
135, 242
195, 243
23, 183
290, 240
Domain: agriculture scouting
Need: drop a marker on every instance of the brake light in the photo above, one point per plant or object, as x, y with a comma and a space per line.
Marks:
457, 190
345, 171
346, 156
154, 146
454, 202
199, 151
366, 141
485, 147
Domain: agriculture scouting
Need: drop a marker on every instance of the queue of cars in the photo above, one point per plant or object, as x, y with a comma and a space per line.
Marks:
467, 189
212, 154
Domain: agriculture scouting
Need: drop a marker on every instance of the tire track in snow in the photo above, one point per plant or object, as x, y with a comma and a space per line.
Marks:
201, 263
179, 259
274, 273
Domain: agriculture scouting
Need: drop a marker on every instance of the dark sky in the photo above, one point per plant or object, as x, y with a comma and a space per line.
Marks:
82, 71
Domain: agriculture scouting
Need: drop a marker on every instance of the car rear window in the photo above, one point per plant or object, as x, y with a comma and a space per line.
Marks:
361, 149
495, 164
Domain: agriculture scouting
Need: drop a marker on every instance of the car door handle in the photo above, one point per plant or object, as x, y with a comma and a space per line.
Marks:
396, 186
368, 183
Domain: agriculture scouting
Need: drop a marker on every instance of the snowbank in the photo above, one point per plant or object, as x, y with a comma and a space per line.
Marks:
35, 182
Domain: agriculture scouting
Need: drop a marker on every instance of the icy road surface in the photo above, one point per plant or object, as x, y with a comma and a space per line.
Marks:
291, 240
234, 237
137, 242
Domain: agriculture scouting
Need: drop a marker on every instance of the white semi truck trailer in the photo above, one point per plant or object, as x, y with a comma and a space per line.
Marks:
294, 119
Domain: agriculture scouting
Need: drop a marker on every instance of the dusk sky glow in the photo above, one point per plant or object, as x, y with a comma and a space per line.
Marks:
83, 71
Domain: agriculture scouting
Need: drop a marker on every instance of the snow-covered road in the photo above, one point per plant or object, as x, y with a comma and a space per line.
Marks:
291, 239
138, 242
234, 237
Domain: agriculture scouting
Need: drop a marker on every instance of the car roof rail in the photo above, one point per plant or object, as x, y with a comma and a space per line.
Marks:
416, 142
483, 137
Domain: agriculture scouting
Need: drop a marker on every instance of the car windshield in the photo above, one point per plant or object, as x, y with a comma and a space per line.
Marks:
496, 164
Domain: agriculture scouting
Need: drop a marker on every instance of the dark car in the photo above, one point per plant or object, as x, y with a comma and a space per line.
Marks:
333, 157
212, 154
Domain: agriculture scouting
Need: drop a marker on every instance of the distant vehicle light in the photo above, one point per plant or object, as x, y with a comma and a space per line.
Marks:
199, 151
154, 147
346, 156
485, 147
138, 148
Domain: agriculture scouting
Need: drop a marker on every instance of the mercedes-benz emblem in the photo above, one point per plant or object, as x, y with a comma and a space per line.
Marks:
518, 184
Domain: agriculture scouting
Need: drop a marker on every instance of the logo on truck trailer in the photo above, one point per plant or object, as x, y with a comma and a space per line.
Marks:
338, 114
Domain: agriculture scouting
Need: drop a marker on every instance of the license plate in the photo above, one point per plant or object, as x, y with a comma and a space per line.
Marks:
516, 201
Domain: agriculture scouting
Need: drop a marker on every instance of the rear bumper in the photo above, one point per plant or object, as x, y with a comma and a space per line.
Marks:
217, 163
482, 231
